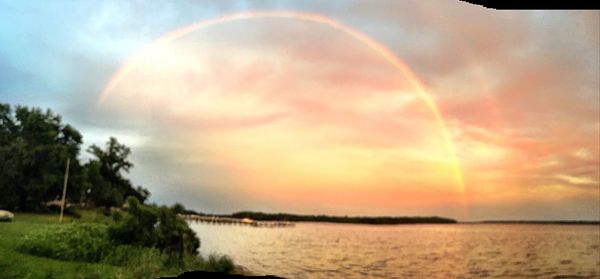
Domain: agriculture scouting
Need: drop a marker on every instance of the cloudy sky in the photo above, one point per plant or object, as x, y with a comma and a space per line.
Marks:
336, 107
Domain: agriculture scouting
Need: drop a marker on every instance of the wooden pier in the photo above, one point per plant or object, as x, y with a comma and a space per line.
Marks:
217, 220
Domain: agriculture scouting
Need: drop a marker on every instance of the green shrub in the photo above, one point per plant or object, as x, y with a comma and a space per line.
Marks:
218, 264
163, 244
73, 242
136, 226
155, 227
147, 263
214, 263
95, 215
120, 254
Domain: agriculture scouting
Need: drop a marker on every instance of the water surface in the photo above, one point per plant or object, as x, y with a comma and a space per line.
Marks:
324, 250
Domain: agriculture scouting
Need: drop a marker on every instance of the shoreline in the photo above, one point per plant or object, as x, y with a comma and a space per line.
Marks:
242, 270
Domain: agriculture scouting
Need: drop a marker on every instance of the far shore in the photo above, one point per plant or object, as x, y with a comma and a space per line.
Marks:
368, 220
379, 220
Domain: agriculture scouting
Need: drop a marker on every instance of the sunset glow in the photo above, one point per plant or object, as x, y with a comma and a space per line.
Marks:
296, 145
381, 108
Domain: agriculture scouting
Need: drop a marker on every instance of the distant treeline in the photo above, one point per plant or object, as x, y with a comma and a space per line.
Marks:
539, 222
384, 220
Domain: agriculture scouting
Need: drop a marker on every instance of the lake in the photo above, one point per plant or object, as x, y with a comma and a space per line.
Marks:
325, 250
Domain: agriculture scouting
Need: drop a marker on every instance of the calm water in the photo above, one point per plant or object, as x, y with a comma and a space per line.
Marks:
320, 250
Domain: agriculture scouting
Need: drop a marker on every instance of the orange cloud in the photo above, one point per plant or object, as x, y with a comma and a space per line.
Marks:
287, 120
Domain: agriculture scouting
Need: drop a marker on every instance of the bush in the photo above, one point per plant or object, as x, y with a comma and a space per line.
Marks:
147, 263
146, 240
95, 215
218, 264
214, 264
123, 255
154, 227
136, 226
72, 242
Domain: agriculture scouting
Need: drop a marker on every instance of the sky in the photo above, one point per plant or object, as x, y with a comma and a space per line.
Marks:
325, 107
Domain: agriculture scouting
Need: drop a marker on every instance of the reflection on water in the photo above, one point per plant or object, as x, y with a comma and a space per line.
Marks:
320, 250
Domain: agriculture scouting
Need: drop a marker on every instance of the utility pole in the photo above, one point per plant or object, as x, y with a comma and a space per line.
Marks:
62, 203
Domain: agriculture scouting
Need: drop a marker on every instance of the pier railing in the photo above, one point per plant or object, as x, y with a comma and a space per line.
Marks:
217, 220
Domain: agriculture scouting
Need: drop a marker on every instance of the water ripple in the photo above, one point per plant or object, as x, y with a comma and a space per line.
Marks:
319, 250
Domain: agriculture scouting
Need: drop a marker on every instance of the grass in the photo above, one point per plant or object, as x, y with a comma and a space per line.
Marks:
65, 242
94, 216
16, 237
15, 264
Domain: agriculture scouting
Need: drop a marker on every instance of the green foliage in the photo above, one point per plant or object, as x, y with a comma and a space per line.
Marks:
178, 208
86, 242
66, 242
95, 215
124, 255
137, 226
152, 226
34, 147
120, 261
146, 262
99, 191
53, 208
106, 185
218, 264
147, 240
114, 158
90, 242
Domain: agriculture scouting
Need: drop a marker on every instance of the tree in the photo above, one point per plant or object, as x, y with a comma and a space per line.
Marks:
99, 191
106, 185
34, 147
113, 159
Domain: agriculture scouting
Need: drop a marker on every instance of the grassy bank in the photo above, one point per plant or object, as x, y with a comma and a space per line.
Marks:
16, 264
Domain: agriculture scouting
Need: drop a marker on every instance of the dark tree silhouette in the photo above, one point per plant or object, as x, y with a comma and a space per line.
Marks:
34, 147
106, 184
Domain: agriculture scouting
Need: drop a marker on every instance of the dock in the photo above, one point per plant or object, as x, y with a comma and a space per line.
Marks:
218, 220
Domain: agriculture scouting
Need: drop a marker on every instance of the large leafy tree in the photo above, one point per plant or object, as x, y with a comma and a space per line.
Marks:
34, 147
106, 183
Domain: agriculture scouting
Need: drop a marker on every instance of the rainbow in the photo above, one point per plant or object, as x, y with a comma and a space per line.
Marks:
379, 48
